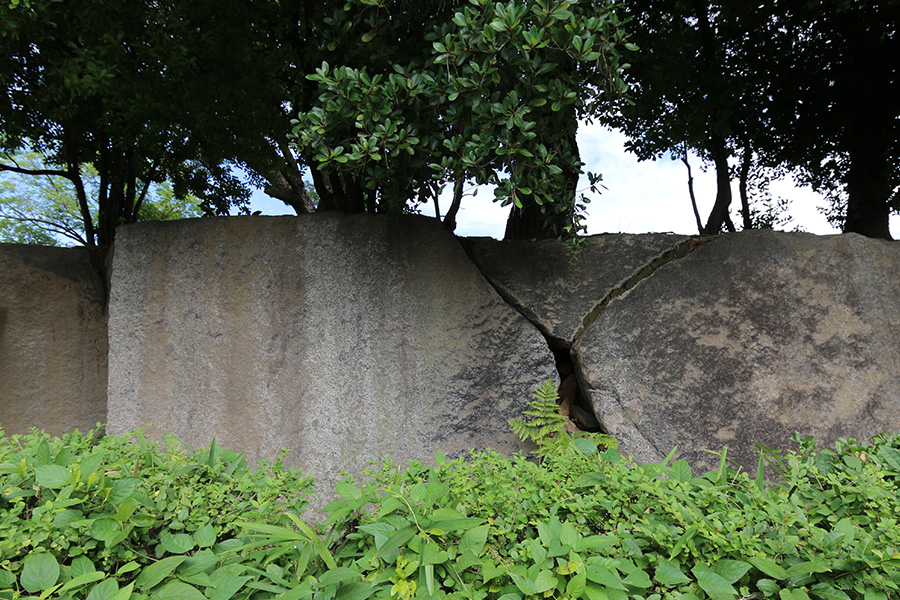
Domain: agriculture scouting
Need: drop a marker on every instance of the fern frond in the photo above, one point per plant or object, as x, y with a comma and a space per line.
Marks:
547, 428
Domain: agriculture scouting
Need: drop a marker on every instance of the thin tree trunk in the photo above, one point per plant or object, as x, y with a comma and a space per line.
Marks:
719, 214
450, 217
684, 159
746, 159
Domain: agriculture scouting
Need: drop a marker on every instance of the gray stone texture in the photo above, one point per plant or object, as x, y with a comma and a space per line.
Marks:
559, 290
747, 339
341, 338
52, 340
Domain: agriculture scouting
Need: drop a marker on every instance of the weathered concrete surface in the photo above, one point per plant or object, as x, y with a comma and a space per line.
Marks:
342, 338
749, 338
52, 340
559, 291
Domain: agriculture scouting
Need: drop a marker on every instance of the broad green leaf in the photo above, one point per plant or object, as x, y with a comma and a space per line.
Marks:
638, 578
333, 576
891, 457
124, 593
605, 577
81, 580
847, 528
680, 471
205, 536
355, 590
793, 595
544, 581
128, 568
52, 476
7, 579
590, 480
769, 567
122, 489
39, 572
432, 554
347, 491
104, 590
731, 570
226, 587
826, 591
178, 590
178, 543
397, 540
126, 509
805, 568
714, 584
585, 446
153, 574
81, 565
490, 571
668, 574
64, 517
576, 585
474, 540
202, 561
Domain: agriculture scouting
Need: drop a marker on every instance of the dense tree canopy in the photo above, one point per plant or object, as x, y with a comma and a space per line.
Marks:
144, 93
427, 93
385, 102
762, 90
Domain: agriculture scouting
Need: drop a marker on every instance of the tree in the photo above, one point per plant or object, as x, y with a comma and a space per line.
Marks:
446, 93
834, 118
760, 91
45, 210
144, 93
692, 91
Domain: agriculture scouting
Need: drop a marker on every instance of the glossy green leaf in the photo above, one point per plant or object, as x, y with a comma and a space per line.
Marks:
39, 572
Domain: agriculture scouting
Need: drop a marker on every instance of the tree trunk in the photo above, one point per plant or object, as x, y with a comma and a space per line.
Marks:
530, 222
868, 187
742, 188
870, 125
719, 214
687, 164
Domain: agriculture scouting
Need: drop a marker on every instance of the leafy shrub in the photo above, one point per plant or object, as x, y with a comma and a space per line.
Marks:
89, 511
588, 526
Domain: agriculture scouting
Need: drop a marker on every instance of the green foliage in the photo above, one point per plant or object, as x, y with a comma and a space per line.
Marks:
45, 210
479, 527
480, 91
140, 95
546, 427
90, 516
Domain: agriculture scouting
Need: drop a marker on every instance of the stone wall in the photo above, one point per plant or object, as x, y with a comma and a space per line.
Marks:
341, 338
351, 338
52, 340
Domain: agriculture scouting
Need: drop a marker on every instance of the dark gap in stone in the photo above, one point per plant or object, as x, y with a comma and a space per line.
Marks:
573, 400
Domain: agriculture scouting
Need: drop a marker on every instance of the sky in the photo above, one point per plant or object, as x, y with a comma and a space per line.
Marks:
640, 197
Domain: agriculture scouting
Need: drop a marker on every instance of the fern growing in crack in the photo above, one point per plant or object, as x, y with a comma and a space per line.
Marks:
546, 427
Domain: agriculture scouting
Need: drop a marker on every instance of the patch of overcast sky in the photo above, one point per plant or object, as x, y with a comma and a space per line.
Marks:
637, 197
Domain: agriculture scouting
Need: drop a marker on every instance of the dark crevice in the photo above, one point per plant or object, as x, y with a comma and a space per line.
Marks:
573, 400
573, 391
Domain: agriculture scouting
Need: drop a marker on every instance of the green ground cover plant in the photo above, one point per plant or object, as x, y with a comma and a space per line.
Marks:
100, 517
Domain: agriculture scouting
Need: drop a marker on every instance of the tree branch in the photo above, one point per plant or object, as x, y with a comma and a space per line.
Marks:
52, 172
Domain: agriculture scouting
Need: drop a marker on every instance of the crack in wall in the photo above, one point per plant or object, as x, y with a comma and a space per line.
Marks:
574, 389
676, 252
